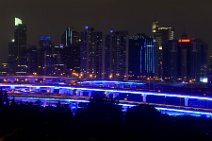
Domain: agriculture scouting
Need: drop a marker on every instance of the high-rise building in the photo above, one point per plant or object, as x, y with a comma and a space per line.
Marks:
210, 70
161, 34
185, 59
70, 37
58, 66
12, 64
141, 56
71, 51
17, 60
91, 52
116, 55
136, 42
20, 45
171, 60
20, 41
32, 59
147, 58
45, 54
198, 60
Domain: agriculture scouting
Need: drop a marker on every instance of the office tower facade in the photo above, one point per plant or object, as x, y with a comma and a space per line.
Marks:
32, 59
91, 52
171, 60
147, 58
185, 59
20, 40
210, 70
136, 42
59, 67
161, 34
116, 55
141, 56
45, 54
17, 49
12, 64
198, 60
20, 43
70, 39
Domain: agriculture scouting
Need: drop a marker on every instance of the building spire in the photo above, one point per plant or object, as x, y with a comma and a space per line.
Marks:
18, 21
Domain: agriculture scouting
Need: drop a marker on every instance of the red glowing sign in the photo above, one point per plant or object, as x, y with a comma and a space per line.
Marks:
184, 40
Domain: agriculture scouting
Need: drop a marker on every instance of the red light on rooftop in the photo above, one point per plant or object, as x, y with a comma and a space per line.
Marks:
184, 40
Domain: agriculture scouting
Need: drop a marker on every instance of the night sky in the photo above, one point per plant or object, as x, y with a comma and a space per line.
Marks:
50, 17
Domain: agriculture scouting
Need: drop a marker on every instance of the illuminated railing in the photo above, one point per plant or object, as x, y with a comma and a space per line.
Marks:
108, 90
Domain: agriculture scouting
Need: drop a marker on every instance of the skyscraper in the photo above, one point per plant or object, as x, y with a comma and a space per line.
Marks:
171, 60
91, 52
147, 58
198, 60
210, 71
12, 64
185, 58
45, 55
71, 51
116, 55
136, 43
20, 41
161, 34
32, 59
141, 56
20, 45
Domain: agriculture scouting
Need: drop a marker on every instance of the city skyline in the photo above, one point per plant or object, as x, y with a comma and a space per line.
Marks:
135, 16
140, 69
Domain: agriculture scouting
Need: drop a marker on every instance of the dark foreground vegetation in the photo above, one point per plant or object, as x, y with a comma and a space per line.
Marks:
101, 120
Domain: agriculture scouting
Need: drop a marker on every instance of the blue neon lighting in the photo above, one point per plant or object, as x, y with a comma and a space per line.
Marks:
50, 99
111, 90
184, 111
160, 109
45, 38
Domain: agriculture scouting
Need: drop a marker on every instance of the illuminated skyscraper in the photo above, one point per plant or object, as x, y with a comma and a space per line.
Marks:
147, 57
141, 56
70, 37
20, 46
161, 34
91, 52
20, 40
116, 55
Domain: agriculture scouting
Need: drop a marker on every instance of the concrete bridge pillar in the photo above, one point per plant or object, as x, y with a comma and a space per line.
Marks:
106, 94
89, 93
144, 98
71, 92
51, 90
77, 92
186, 101
80, 93
38, 89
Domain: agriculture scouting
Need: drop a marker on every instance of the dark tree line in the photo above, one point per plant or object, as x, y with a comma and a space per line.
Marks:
100, 120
